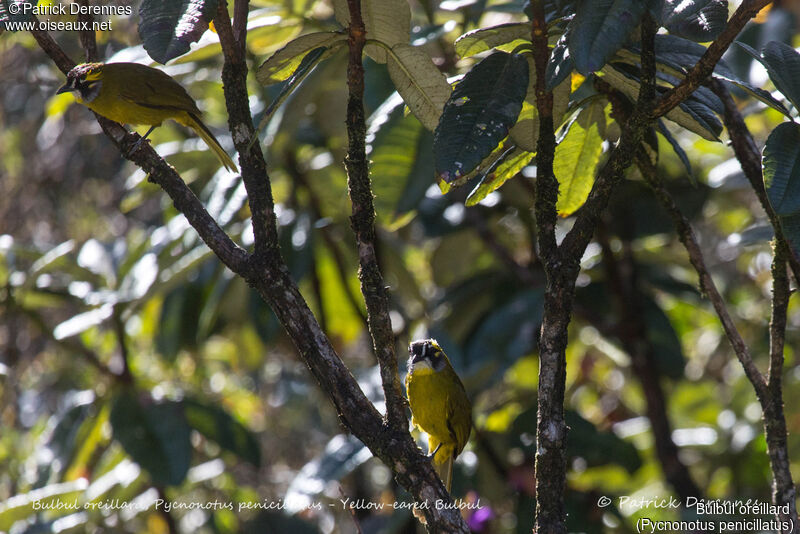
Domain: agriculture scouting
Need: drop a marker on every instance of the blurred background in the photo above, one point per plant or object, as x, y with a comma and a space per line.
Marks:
99, 274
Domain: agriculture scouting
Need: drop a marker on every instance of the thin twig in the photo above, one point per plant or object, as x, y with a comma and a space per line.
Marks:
362, 220
622, 277
783, 490
705, 65
87, 36
687, 237
749, 156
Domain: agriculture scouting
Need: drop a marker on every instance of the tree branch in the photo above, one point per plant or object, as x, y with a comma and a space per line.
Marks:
270, 277
705, 65
240, 123
783, 490
88, 40
362, 221
621, 156
546, 184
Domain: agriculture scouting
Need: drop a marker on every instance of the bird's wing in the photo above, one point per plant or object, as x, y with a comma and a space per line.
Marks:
459, 418
156, 89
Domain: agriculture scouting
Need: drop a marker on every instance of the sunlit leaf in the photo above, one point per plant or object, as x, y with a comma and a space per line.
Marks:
525, 132
698, 20
511, 164
421, 84
387, 21
483, 39
577, 156
283, 63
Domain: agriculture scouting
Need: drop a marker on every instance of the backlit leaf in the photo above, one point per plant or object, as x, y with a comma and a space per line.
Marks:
421, 84
283, 63
577, 156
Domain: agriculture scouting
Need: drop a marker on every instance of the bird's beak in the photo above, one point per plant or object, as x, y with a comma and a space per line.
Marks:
64, 89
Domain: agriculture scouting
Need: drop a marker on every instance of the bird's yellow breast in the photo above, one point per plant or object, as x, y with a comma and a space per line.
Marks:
428, 392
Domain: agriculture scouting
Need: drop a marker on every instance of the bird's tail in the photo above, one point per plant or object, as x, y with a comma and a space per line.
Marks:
194, 122
442, 462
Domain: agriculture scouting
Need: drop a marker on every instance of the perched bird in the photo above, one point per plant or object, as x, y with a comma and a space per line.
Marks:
137, 94
439, 405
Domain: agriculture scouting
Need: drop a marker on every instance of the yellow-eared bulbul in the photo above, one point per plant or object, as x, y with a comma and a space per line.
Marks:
130, 93
439, 405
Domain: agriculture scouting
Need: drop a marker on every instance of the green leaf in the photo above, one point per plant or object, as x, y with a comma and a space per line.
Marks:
155, 435
282, 64
783, 66
218, 425
525, 132
387, 21
509, 166
577, 156
397, 148
599, 29
478, 115
691, 114
168, 28
781, 160
698, 20
511, 34
508, 333
421, 84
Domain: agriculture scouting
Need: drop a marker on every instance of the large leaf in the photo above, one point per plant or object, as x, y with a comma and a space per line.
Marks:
691, 114
218, 425
168, 28
510, 34
506, 334
478, 114
155, 435
577, 156
397, 151
525, 132
387, 21
421, 84
783, 66
283, 63
599, 29
698, 20
781, 161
